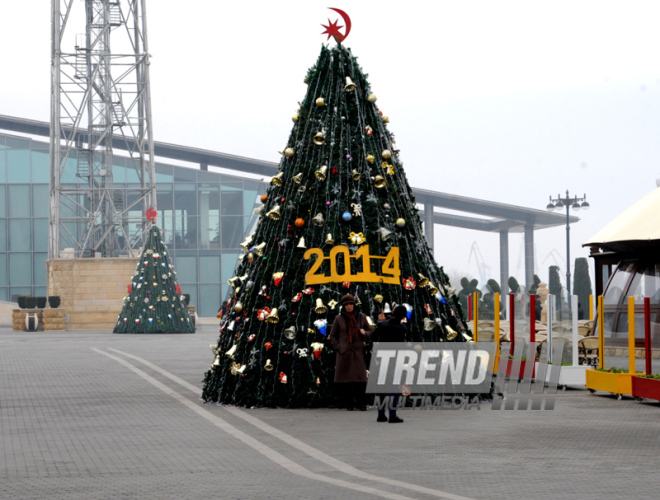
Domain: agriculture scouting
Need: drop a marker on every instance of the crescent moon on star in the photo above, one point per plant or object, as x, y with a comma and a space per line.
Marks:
346, 19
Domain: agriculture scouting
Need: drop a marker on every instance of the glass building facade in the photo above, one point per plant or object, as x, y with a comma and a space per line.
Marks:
203, 215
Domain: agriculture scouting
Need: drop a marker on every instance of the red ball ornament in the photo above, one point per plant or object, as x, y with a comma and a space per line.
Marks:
299, 222
264, 197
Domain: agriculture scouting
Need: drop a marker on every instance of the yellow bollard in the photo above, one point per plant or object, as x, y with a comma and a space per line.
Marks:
631, 335
591, 307
475, 315
497, 329
601, 334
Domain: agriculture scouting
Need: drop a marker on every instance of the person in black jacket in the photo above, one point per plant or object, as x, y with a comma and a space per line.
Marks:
391, 330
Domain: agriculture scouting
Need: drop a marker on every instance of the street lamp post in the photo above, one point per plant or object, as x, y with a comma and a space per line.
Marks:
576, 204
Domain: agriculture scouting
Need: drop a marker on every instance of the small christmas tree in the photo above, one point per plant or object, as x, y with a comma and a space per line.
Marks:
339, 217
154, 303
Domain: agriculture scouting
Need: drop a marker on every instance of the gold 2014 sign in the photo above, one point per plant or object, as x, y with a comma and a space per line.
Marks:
390, 272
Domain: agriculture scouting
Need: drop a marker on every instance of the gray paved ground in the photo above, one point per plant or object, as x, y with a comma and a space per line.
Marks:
77, 424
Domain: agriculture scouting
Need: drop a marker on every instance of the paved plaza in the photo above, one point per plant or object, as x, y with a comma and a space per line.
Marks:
92, 415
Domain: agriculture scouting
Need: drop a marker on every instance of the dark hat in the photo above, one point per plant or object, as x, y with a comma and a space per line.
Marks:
347, 299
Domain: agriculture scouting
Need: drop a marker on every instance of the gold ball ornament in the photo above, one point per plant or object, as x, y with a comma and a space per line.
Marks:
386, 154
320, 102
400, 222
372, 98
288, 152
238, 307
386, 119
295, 117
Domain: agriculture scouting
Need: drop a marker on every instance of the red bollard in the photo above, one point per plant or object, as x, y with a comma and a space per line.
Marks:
512, 328
647, 334
469, 311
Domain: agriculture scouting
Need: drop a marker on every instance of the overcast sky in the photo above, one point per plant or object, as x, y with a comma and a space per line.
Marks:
504, 101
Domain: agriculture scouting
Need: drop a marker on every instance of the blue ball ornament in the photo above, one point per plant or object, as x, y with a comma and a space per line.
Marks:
346, 216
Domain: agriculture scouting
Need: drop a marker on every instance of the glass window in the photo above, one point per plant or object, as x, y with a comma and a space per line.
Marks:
647, 284
20, 269
40, 291
209, 216
232, 203
39, 269
192, 291
18, 160
228, 261
232, 232
209, 300
185, 198
40, 235
231, 184
3, 165
40, 200
40, 166
3, 294
70, 170
209, 269
3, 238
617, 284
203, 176
19, 235
132, 170
186, 269
3, 199
164, 174
3, 269
182, 174
19, 201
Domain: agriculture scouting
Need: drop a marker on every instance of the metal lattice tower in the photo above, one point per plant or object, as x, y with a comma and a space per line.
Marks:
99, 98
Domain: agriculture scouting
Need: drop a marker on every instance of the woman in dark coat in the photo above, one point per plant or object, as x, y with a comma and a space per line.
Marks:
349, 331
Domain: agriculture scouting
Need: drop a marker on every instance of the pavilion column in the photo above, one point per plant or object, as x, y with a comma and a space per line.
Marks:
529, 255
428, 224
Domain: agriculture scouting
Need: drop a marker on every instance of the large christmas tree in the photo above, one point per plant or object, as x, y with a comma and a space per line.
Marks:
339, 217
154, 303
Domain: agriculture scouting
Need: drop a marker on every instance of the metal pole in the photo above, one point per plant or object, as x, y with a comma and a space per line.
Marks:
568, 248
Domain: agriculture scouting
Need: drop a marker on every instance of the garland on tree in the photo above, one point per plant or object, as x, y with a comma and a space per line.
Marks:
154, 303
339, 217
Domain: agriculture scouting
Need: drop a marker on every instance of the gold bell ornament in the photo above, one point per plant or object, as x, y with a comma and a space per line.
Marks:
288, 152
379, 182
356, 175
216, 361
329, 240
319, 139
451, 333
237, 369
371, 158
332, 304
317, 220
259, 210
275, 213
320, 308
246, 244
385, 234
259, 249
429, 324
273, 317
433, 289
234, 282
269, 366
322, 173
423, 280
301, 243
230, 353
277, 180
350, 86
320, 102
386, 154
372, 98
290, 333
297, 178
386, 119
378, 298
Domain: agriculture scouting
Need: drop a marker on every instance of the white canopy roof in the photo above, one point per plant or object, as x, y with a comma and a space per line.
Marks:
639, 225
